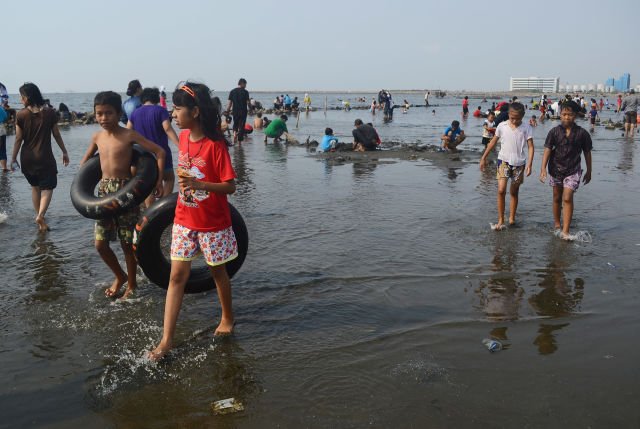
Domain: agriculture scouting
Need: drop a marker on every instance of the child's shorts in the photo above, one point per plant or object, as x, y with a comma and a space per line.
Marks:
218, 247
593, 121
572, 182
120, 227
506, 171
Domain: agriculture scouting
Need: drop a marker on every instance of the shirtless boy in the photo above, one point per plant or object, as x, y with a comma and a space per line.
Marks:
115, 145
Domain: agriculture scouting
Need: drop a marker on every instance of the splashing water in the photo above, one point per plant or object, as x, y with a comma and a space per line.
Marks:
3, 217
580, 236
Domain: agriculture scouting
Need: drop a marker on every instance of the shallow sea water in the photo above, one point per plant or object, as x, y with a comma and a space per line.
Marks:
364, 300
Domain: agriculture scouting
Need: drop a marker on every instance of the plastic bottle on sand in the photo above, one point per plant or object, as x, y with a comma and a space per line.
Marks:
492, 345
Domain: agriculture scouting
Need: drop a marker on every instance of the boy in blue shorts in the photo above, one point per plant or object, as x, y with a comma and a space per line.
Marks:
562, 150
515, 136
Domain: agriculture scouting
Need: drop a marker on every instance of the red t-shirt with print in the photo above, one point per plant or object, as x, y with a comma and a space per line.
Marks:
208, 161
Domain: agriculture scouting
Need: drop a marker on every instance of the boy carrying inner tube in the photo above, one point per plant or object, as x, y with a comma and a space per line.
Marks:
115, 145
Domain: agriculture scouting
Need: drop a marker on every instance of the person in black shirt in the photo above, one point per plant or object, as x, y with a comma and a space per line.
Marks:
503, 115
239, 104
365, 137
562, 150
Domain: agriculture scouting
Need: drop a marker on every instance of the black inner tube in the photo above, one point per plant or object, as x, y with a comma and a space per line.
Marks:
133, 193
155, 265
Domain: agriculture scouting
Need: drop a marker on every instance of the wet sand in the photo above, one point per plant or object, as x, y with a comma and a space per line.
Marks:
369, 286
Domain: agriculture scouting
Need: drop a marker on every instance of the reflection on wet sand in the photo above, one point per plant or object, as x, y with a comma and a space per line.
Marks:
328, 166
546, 340
276, 152
244, 182
626, 156
500, 296
452, 174
558, 298
45, 263
363, 169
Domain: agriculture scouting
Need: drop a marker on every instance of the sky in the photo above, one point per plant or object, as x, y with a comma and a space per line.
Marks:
89, 46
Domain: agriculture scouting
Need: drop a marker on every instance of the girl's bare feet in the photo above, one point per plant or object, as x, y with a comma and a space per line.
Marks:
42, 225
127, 292
113, 290
158, 353
224, 328
566, 236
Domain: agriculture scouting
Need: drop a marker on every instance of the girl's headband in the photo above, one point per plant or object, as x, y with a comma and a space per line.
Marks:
188, 90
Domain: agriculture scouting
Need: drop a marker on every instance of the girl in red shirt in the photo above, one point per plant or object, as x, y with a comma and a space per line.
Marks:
203, 220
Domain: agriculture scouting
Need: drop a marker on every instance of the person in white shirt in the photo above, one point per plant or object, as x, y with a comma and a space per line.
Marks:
488, 128
515, 136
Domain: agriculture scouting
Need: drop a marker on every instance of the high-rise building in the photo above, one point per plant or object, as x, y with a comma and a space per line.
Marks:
542, 84
623, 84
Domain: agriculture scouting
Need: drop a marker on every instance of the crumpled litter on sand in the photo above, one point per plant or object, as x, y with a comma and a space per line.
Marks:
227, 406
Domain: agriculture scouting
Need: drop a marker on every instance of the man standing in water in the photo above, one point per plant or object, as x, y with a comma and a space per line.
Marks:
426, 99
388, 106
239, 105
630, 108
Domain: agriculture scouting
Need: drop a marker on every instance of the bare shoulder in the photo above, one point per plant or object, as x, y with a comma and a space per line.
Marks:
97, 137
130, 136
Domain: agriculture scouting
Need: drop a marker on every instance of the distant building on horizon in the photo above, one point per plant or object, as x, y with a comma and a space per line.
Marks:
541, 84
623, 84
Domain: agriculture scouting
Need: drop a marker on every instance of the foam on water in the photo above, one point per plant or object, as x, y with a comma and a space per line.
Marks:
579, 236
421, 370
131, 366
3, 217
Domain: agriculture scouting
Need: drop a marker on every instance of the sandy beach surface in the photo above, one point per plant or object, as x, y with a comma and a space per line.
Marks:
370, 283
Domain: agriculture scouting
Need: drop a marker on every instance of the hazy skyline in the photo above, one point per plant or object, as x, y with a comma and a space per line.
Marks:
84, 46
